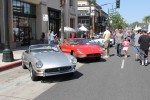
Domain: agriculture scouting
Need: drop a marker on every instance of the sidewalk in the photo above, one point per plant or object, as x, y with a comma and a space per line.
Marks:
17, 53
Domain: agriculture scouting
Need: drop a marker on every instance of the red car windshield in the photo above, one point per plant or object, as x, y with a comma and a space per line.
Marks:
78, 41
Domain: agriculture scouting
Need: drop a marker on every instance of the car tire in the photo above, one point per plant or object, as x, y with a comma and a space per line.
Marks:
33, 74
23, 65
98, 58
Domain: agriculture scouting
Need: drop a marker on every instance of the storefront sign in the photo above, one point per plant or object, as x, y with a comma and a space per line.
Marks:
45, 17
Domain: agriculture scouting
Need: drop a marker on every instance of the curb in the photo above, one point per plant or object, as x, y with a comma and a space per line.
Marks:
10, 65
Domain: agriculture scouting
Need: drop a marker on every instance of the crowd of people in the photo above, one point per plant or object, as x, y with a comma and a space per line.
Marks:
140, 39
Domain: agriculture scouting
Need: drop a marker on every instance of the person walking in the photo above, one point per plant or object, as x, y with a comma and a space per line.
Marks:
144, 41
125, 44
136, 44
106, 37
52, 38
118, 42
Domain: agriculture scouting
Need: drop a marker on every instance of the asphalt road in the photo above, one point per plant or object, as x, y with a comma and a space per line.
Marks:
111, 79
114, 78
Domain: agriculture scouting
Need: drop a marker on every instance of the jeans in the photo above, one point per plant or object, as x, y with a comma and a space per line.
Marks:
119, 48
52, 42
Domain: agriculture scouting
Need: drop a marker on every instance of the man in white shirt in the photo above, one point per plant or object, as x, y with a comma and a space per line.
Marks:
106, 37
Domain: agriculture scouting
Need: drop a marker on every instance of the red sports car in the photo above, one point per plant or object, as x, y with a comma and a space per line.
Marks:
80, 48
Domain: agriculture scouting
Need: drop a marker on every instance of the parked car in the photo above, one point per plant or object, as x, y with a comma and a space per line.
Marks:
44, 60
101, 41
81, 48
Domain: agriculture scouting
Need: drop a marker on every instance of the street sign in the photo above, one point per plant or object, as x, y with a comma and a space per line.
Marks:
45, 17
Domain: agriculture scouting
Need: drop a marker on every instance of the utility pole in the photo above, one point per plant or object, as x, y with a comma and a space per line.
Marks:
91, 21
7, 53
62, 5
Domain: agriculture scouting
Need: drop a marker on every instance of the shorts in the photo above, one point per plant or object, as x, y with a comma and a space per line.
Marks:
106, 44
125, 48
144, 54
136, 49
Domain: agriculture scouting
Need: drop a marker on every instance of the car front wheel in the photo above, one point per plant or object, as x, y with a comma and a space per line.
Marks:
33, 74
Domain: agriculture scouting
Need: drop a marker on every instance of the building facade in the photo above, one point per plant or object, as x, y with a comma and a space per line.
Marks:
91, 16
29, 18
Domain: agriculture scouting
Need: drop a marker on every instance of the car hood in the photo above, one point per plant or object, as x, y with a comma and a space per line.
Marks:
89, 48
53, 59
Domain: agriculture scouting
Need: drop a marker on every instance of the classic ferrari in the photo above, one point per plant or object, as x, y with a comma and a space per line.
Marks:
44, 60
81, 48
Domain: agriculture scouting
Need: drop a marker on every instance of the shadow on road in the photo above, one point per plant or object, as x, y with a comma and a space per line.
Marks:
61, 78
91, 60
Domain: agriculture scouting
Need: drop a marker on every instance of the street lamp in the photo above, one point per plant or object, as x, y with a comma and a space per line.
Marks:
7, 53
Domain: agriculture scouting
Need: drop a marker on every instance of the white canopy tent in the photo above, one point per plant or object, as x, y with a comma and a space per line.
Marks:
83, 28
137, 28
68, 29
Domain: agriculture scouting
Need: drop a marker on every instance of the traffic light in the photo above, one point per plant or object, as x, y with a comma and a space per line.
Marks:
117, 3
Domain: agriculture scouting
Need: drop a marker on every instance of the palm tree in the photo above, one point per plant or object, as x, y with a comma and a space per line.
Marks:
146, 19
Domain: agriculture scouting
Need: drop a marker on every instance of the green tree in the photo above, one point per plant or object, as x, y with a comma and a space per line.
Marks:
132, 25
146, 19
116, 21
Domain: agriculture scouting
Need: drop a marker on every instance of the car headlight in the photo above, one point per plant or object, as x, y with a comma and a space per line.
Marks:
39, 64
74, 60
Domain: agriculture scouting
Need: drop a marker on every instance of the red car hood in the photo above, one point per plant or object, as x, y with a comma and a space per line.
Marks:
88, 48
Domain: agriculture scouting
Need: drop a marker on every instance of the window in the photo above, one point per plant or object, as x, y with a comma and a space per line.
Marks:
22, 7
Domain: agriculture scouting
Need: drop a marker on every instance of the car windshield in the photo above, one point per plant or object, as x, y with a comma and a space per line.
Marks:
43, 48
78, 41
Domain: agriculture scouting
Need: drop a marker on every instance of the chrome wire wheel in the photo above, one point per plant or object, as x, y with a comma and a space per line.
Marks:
33, 74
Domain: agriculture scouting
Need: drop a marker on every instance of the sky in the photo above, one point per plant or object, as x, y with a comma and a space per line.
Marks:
130, 10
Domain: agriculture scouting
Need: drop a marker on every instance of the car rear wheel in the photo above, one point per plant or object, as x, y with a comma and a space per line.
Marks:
23, 65
33, 74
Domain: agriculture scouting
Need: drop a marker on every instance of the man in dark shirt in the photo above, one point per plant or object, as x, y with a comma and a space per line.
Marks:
144, 42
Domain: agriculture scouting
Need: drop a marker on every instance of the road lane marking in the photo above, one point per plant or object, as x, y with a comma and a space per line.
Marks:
122, 65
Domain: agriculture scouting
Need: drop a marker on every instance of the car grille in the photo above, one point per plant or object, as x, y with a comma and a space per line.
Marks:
60, 69
91, 55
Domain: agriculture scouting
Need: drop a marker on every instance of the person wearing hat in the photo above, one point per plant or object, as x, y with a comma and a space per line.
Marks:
144, 41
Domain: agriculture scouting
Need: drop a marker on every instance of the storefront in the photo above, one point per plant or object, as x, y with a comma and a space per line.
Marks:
24, 22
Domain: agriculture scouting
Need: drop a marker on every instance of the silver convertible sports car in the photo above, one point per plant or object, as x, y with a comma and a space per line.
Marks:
44, 60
